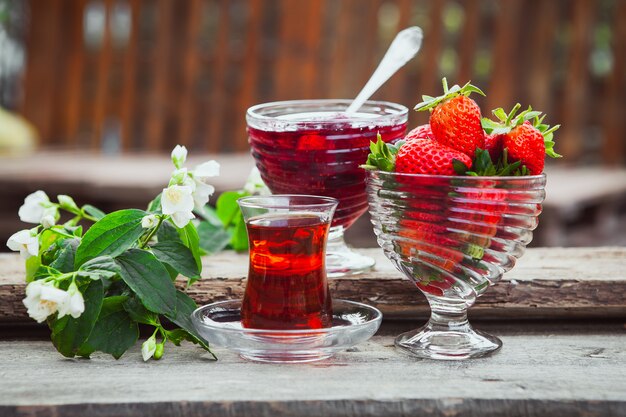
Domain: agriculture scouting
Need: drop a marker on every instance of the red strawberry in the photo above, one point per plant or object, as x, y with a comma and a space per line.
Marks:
424, 156
422, 131
455, 118
526, 143
493, 145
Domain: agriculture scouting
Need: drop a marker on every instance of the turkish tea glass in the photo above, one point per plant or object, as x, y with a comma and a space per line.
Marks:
453, 237
287, 288
313, 147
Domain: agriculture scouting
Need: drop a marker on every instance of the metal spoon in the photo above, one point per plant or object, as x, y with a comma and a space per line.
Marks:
404, 47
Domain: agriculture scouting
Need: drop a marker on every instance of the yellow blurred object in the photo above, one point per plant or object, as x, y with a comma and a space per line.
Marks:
17, 135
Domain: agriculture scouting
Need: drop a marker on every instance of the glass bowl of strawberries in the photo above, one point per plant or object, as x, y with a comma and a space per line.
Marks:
453, 207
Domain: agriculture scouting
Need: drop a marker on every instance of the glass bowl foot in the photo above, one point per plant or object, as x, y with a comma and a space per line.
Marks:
341, 260
292, 357
447, 344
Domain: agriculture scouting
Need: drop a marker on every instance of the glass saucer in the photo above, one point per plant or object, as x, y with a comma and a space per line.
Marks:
220, 324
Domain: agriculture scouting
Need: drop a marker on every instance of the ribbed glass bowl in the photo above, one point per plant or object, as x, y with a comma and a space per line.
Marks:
453, 237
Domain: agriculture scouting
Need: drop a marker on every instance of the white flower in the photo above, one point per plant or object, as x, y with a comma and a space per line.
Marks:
43, 299
149, 221
179, 155
202, 190
33, 208
26, 242
206, 170
201, 194
255, 185
181, 218
74, 304
177, 201
148, 348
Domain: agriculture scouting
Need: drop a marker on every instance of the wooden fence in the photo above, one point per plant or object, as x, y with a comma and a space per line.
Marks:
147, 74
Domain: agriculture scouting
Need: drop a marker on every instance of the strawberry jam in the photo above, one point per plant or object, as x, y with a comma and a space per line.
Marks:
320, 153
287, 286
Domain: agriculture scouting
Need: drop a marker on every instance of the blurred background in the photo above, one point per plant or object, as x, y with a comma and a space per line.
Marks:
97, 92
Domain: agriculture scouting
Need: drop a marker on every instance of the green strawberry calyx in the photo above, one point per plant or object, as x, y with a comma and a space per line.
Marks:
483, 166
508, 121
382, 155
429, 102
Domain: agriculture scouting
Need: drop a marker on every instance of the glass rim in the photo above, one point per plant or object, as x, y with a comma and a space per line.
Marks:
459, 177
253, 112
263, 202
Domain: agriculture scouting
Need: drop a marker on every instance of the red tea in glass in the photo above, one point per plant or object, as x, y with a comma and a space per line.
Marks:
312, 147
287, 287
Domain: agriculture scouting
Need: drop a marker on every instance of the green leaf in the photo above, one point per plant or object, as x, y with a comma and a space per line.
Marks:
155, 205
68, 333
182, 318
469, 88
114, 331
111, 235
213, 238
149, 279
189, 236
168, 232
64, 261
459, 167
178, 256
209, 214
382, 155
239, 241
227, 208
32, 265
176, 336
94, 211
98, 268
139, 313
429, 102
45, 271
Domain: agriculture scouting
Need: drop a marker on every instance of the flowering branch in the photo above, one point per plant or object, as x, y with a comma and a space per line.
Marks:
95, 288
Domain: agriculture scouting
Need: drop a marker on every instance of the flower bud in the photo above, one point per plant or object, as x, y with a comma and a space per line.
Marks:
178, 176
149, 221
148, 348
179, 155
158, 353
48, 221
67, 203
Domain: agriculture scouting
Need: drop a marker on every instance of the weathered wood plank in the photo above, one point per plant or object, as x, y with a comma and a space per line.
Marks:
550, 372
564, 283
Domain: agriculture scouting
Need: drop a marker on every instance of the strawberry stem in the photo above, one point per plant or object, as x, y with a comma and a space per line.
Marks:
429, 103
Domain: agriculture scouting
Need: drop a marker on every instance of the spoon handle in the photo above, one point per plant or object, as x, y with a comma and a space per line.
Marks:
404, 47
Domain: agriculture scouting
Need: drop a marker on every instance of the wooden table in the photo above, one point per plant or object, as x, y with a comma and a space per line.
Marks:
560, 314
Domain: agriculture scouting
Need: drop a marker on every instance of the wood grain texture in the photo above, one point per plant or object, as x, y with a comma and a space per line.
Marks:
547, 283
579, 372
